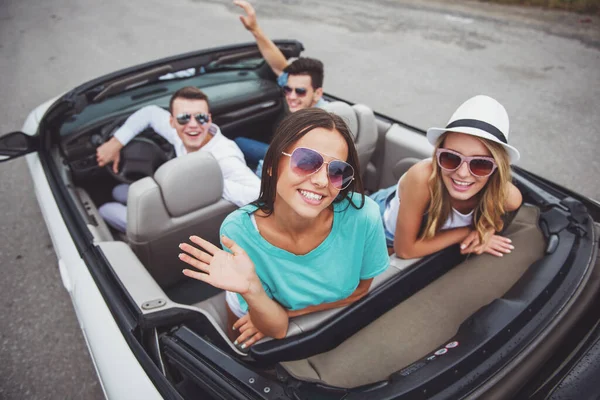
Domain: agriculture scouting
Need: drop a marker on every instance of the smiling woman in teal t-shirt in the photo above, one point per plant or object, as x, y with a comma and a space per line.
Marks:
311, 242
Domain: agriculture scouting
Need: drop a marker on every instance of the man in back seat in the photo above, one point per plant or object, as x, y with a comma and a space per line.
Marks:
301, 81
188, 127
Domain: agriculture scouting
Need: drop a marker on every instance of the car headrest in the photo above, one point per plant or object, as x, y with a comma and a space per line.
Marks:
403, 165
347, 113
189, 183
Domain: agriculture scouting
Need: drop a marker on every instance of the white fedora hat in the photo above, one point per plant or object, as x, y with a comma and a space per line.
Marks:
479, 116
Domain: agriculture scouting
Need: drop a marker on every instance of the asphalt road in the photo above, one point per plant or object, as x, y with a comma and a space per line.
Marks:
416, 61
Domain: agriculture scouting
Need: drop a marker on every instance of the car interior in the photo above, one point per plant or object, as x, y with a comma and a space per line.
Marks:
445, 296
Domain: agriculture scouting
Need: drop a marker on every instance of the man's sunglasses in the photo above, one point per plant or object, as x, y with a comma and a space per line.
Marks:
305, 162
479, 166
185, 118
300, 92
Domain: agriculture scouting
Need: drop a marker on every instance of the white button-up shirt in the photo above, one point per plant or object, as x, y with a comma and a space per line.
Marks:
240, 185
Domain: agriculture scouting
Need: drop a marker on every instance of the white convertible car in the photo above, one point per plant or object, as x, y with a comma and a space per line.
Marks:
443, 326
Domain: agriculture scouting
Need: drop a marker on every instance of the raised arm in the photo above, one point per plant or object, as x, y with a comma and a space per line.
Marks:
149, 116
268, 49
414, 198
235, 272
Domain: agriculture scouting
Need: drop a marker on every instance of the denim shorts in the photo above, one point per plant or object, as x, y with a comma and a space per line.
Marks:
382, 198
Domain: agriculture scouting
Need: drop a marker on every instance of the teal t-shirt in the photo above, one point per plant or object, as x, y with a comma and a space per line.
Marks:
355, 249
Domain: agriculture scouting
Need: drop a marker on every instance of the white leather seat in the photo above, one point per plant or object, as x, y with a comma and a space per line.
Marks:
361, 121
183, 198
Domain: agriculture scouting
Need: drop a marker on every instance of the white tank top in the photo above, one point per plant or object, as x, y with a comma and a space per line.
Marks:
390, 215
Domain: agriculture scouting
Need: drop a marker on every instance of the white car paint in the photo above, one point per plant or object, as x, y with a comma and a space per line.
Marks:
120, 374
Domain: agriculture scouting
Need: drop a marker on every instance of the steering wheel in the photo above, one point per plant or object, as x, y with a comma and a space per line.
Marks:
141, 157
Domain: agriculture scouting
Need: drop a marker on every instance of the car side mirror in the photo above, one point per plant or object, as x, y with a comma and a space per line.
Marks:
17, 144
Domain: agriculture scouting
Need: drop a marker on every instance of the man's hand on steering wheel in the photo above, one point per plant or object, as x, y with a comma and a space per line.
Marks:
109, 151
141, 157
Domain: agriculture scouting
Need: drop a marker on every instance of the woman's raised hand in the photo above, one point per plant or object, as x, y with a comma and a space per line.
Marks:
228, 271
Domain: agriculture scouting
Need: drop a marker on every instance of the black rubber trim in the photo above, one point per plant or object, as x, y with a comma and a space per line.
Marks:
592, 206
360, 314
166, 318
215, 371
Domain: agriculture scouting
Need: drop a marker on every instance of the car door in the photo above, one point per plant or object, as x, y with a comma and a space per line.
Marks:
111, 354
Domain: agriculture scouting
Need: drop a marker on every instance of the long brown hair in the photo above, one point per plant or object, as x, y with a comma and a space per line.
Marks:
492, 197
291, 129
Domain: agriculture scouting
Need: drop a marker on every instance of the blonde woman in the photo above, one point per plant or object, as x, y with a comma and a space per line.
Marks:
463, 194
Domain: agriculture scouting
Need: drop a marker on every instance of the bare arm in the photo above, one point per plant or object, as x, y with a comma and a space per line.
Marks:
250, 334
149, 116
414, 198
359, 293
515, 198
235, 272
268, 316
268, 49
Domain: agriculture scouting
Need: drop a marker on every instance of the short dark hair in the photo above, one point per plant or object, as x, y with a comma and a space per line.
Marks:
291, 129
310, 67
188, 93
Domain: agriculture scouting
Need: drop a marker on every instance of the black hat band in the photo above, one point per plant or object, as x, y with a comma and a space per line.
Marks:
484, 126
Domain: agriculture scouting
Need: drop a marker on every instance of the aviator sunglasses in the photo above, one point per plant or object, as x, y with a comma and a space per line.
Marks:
300, 92
185, 118
305, 162
479, 166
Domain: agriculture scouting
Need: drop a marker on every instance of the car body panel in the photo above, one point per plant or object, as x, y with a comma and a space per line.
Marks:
111, 355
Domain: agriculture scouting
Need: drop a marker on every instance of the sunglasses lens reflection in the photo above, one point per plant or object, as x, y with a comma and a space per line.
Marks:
305, 161
449, 160
202, 118
340, 174
300, 92
481, 167
185, 118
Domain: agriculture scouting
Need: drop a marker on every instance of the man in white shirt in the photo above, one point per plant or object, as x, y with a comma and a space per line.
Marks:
188, 127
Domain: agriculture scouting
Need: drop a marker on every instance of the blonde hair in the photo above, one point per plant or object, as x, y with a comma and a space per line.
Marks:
490, 208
